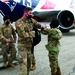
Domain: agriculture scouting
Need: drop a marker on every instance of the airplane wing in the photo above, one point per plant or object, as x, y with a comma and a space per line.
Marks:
45, 15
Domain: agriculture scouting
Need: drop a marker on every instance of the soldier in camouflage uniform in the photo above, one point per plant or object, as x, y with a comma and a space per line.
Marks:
8, 45
24, 28
53, 46
33, 62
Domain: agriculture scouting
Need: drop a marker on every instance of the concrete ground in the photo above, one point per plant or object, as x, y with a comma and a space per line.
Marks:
66, 57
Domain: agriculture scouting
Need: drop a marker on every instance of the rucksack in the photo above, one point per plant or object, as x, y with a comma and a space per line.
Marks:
37, 38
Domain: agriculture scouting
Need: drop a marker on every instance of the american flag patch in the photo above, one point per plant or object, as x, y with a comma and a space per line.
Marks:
20, 25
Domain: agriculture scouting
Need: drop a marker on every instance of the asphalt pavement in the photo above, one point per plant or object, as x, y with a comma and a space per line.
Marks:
66, 57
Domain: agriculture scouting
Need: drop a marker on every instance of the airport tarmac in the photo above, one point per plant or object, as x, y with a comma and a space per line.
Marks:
66, 57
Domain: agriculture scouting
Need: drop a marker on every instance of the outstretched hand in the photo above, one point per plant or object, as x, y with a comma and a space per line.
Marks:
43, 26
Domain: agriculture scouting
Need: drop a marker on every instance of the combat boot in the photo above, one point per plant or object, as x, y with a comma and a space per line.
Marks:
11, 64
53, 74
5, 64
33, 67
58, 71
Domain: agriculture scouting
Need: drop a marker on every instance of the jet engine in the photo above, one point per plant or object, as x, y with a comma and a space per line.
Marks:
66, 19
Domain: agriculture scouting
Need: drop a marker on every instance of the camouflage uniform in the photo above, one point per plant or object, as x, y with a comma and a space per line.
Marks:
33, 59
6, 33
25, 40
53, 46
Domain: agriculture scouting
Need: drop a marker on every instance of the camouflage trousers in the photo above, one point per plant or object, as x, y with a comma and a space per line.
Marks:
53, 59
33, 61
5, 51
24, 59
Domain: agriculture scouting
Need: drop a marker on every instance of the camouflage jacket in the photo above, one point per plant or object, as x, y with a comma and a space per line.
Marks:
6, 32
54, 35
24, 28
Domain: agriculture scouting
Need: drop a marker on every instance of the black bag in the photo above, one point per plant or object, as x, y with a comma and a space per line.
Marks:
36, 39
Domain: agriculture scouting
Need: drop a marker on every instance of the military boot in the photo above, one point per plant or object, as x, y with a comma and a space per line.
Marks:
58, 71
11, 64
5, 64
33, 67
53, 74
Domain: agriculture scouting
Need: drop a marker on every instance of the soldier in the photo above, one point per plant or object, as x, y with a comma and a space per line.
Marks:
53, 46
24, 27
6, 32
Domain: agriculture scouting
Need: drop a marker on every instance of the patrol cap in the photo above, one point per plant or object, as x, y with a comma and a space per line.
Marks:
6, 17
54, 23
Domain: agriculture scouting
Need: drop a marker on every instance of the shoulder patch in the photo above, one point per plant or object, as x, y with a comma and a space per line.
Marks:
20, 25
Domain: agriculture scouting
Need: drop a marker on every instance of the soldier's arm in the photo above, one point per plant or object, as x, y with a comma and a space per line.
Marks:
57, 36
13, 33
46, 31
21, 31
1, 35
30, 33
36, 24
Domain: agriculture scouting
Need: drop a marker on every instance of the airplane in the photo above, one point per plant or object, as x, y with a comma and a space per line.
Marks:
43, 10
